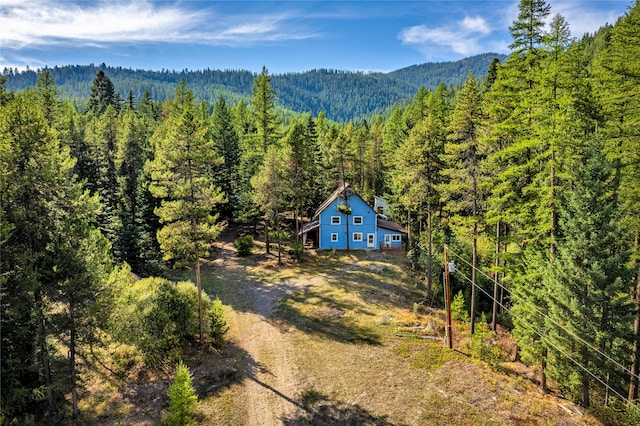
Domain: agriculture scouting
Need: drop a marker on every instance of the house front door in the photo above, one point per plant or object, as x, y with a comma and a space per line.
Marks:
371, 240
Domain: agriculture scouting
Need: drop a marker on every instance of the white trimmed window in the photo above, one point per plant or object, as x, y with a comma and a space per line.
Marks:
357, 220
395, 238
335, 220
334, 238
357, 236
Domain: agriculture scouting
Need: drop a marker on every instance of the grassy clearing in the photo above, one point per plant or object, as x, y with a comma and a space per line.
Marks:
350, 366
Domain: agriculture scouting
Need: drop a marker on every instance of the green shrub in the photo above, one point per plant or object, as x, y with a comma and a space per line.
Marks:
484, 345
217, 324
160, 318
124, 358
458, 309
244, 245
183, 399
298, 250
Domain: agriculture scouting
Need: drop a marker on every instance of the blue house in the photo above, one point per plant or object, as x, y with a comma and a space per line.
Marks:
345, 221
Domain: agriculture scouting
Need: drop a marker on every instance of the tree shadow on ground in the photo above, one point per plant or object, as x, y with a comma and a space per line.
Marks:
318, 409
220, 371
325, 321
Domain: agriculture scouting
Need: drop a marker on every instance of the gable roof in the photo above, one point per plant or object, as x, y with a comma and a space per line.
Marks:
380, 222
331, 198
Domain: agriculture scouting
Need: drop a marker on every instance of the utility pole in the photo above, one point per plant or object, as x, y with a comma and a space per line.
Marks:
448, 295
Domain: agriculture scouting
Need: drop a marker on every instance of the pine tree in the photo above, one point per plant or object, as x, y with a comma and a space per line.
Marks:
618, 72
57, 258
394, 135
527, 30
416, 177
263, 108
417, 110
180, 173
463, 192
102, 95
226, 142
47, 95
492, 74
589, 280
129, 158
300, 167
553, 105
182, 399
270, 190
101, 141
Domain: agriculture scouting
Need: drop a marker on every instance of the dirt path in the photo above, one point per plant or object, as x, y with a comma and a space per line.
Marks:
272, 376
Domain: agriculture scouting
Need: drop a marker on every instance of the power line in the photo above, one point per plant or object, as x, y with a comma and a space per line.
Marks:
545, 316
546, 339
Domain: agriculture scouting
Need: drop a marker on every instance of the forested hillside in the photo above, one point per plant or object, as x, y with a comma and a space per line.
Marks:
341, 95
530, 176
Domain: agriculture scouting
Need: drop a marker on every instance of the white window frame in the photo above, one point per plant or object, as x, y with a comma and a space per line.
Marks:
336, 223
357, 217
334, 238
387, 238
396, 238
353, 236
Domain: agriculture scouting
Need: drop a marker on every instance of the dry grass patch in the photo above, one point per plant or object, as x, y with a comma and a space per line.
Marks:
345, 358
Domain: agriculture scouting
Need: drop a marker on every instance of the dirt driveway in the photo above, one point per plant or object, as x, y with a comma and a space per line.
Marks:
273, 378
317, 345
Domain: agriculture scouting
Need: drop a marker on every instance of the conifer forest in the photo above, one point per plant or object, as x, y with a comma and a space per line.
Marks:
529, 173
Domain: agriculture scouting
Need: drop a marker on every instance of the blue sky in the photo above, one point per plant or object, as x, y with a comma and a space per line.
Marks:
284, 36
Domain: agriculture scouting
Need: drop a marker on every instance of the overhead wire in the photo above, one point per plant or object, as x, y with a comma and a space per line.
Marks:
545, 316
546, 339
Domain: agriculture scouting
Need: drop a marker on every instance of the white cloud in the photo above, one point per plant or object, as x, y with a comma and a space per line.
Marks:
475, 25
463, 37
586, 17
41, 23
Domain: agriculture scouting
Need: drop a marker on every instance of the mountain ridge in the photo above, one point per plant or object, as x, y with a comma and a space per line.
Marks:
341, 95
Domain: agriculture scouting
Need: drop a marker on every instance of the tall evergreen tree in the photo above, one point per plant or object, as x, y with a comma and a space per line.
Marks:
619, 80
101, 137
129, 158
226, 143
102, 95
416, 177
181, 178
463, 192
588, 283
47, 94
56, 257
263, 107
300, 167
528, 29
270, 189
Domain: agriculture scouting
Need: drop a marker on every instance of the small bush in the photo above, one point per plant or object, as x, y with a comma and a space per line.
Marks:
484, 345
183, 399
617, 413
124, 358
458, 309
244, 245
160, 318
298, 250
217, 324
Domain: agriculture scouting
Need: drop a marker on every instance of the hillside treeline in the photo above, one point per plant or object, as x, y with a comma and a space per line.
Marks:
530, 176
340, 95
